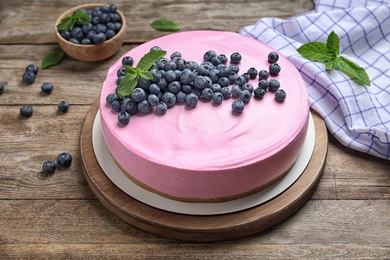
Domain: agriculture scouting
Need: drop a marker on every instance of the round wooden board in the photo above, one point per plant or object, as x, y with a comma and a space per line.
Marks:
201, 228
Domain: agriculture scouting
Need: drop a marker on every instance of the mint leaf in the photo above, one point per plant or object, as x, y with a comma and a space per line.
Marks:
163, 24
353, 70
68, 22
315, 51
333, 44
52, 59
128, 84
146, 75
329, 54
131, 70
149, 59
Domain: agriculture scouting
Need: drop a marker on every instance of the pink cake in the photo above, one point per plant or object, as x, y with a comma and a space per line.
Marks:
209, 153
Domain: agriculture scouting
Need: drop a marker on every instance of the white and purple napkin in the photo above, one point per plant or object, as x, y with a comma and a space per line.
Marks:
358, 116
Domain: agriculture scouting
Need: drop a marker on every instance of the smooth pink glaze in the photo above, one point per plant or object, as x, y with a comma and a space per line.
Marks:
208, 152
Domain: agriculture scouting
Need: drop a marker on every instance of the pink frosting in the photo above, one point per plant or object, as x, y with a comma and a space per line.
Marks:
208, 152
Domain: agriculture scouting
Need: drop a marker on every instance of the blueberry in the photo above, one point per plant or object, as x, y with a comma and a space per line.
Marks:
113, 8
99, 38
26, 111
86, 41
153, 99
95, 20
207, 93
63, 106
246, 76
2, 87
192, 100
90, 35
110, 33
226, 92
216, 88
144, 107
280, 95
216, 61
170, 75
87, 28
47, 87
116, 105
259, 92
100, 28
245, 96
214, 75
144, 83
111, 97
252, 73
209, 55
104, 18
224, 82
236, 90
238, 106
232, 76
240, 81
129, 106
224, 70
176, 54
186, 88
73, 40
123, 117
235, 58
203, 69
186, 76
273, 85
181, 97
163, 83
170, 65
154, 48
138, 95
160, 64
192, 65
263, 74
223, 58
273, 57
169, 99
248, 86
29, 77
161, 108
174, 87
49, 167
263, 84
234, 68
127, 60
217, 98
117, 26
64, 160
156, 75
65, 34
77, 33
200, 82
154, 89
274, 69
121, 72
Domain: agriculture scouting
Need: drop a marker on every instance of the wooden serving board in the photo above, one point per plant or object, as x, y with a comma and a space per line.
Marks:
197, 228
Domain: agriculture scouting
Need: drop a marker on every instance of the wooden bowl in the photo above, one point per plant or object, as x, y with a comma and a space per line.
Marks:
90, 52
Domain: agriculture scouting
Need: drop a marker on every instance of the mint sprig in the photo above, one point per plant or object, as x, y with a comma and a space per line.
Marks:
130, 80
329, 54
69, 21
164, 24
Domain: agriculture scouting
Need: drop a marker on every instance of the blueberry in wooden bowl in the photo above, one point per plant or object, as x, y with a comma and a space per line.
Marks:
91, 32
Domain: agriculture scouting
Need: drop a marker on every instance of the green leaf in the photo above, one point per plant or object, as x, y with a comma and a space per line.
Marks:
333, 44
146, 75
330, 64
163, 24
131, 70
315, 51
128, 84
52, 59
353, 70
149, 59
68, 22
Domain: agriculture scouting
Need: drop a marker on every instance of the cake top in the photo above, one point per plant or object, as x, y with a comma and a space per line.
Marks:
211, 136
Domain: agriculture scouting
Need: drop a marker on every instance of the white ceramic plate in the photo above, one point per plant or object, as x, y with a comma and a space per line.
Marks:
113, 172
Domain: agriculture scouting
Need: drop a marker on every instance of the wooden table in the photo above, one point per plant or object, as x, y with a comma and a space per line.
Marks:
59, 217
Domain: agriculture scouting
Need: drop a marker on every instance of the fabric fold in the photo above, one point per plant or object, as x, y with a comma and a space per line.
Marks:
358, 116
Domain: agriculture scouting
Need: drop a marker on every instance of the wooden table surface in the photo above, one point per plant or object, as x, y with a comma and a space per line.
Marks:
58, 216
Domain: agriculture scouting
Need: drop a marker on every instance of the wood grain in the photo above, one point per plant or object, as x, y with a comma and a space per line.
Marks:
59, 217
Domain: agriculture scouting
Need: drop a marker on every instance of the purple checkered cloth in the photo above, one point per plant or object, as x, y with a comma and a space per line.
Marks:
358, 116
